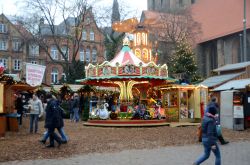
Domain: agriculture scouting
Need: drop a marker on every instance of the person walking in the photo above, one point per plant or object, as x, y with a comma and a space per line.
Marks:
19, 108
36, 108
76, 106
213, 103
53, 120
209, 138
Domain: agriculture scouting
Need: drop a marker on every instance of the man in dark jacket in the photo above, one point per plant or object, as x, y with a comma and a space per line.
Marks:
209, 138
53, 120
19, 107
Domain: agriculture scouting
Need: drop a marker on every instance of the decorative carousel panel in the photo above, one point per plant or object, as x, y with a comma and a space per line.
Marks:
129, 70
91, 72
164, 72
106, 71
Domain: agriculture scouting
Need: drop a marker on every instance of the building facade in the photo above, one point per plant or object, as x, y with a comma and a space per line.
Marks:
90, 49
17, 48
168, 5
220, 40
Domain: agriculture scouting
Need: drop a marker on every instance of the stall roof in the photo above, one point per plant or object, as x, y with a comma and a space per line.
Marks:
217, 80
73, 87
233, 66
234, 84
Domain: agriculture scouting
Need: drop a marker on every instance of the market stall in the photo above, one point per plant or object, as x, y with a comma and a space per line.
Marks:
8, 90
184, 103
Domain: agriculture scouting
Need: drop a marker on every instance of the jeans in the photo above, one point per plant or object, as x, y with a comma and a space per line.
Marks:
206, 154
53, 136
61, 132
33, 119
76, 114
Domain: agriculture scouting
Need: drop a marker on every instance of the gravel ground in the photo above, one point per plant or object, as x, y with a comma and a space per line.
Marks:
85, 140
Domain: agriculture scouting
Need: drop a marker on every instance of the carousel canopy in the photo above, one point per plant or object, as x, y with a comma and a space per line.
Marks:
126, 56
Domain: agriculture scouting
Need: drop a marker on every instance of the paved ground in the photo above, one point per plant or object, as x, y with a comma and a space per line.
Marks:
236, 153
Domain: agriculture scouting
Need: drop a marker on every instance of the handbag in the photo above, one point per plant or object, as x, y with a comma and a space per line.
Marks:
218, 130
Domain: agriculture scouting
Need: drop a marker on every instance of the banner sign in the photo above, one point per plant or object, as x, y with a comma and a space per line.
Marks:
34, 74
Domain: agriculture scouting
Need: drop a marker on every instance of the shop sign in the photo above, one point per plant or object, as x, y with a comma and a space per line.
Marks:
238, 111
34, 74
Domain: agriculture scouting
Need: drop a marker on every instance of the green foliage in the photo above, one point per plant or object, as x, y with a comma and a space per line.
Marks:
183, 62
74, 71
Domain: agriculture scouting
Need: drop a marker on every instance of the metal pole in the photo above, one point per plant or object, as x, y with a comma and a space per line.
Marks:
244, 33
241, 49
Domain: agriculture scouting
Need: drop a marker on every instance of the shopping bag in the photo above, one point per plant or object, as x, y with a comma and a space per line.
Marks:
218, 130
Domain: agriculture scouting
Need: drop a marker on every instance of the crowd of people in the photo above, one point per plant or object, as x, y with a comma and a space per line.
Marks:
48, 107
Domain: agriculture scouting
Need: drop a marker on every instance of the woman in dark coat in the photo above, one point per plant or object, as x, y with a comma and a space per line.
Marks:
53, 120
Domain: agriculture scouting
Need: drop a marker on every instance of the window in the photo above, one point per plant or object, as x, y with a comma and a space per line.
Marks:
3, 28
33, 62
3, 45
91, 35
4, 62
63, 77
65, 51
33, 50
94, 58
88, 20
17, 64
87, 55
181, 3
54, 75
54, 53
81, 54
84, 35
16, 45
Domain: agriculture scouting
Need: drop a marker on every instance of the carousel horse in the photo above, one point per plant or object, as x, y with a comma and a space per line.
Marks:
103, 113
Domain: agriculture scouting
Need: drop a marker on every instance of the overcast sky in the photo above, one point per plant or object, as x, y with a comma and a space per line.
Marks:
10, 7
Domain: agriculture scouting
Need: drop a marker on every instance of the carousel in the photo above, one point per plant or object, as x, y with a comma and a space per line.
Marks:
136, 81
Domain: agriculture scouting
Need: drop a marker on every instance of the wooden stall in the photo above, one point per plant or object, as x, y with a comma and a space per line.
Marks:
184, 103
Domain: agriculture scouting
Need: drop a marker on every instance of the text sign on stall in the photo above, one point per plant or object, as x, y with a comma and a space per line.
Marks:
238, 111
34, 74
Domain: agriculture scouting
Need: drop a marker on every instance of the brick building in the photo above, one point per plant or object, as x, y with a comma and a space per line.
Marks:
91, 48
16, 47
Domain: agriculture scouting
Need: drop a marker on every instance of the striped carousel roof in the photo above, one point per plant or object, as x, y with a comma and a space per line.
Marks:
126, 56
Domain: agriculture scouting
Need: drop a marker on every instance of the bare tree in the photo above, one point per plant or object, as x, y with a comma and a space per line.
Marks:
167, 29
41, 21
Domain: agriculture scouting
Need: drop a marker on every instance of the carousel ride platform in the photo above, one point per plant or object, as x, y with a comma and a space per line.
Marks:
127, 123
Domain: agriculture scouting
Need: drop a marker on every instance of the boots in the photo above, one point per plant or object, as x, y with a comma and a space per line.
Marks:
222, 141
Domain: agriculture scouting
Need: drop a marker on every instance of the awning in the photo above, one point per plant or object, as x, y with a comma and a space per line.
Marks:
234, 84
217, 80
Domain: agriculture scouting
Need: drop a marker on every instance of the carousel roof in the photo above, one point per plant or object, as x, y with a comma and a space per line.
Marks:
126, 56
